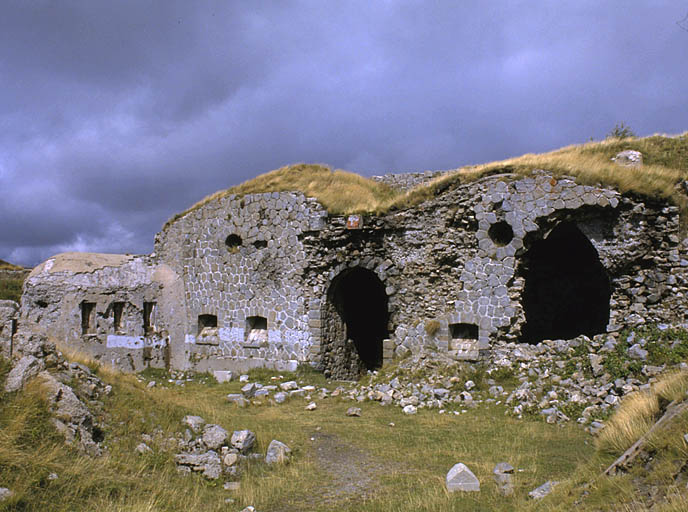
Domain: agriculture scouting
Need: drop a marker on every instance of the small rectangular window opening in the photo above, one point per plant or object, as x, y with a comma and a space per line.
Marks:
88, 317
257, 330
463, 331
149, 318
117, 311
206, 322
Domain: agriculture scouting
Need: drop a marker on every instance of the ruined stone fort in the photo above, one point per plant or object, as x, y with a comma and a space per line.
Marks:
273, 280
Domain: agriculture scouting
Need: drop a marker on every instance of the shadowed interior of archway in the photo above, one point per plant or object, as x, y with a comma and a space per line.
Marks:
567, 288
360, 299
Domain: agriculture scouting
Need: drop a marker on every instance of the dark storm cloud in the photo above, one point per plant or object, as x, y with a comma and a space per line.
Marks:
115, 115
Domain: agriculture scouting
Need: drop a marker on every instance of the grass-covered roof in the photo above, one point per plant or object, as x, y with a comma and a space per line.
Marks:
341, 192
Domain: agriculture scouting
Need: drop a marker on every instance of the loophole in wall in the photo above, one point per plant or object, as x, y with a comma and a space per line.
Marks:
501, 233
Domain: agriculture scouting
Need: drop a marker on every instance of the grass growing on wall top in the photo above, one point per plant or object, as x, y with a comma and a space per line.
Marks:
665, 162
341, 192
5, 265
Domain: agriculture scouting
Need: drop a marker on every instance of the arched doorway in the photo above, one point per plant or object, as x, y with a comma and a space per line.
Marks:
355, 321
567, 288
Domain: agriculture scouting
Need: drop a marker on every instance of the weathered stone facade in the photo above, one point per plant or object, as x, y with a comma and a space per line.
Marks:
272, 280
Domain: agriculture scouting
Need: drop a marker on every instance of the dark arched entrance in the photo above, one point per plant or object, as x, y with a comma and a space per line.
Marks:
566, 290
354, 323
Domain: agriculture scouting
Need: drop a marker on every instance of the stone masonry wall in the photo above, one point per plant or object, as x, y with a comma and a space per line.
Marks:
241, 282
242, 260
439, 263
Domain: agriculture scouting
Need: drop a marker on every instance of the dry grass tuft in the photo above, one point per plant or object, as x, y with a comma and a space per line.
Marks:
640, 411
5, 265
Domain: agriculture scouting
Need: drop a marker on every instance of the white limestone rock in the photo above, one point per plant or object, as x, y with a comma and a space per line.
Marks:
460, 478
278, 453
214, 436
410, 409
543, 490
243, 440
195, 423
26, 368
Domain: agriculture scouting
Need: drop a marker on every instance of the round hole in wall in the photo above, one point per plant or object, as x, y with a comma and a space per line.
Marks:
500, 233
233, 241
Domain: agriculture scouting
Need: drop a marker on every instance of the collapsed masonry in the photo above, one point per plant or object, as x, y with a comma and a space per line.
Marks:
273, 280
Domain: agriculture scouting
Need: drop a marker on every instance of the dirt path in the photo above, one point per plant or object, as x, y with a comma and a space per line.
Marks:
353, 473
348, 473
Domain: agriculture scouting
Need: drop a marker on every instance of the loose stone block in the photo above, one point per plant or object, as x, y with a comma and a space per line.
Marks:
460, 478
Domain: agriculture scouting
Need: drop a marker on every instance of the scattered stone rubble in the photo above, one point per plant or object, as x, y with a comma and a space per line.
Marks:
212, 451
559, 380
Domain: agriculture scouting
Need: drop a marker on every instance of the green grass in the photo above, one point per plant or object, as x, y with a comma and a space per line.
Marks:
11, 288
408, 461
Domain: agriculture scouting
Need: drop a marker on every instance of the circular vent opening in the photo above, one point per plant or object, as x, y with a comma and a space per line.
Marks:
500, 233
233, 242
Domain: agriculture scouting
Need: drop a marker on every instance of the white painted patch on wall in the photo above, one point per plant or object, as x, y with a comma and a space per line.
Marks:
115, 341
189, 338
231, 333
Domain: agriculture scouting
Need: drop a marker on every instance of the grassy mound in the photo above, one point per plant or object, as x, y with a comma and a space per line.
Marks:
342, 192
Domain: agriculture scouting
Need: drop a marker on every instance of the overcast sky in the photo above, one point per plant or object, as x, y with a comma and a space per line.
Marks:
116, 115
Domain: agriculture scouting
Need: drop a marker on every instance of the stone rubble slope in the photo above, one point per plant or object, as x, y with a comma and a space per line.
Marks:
72, 390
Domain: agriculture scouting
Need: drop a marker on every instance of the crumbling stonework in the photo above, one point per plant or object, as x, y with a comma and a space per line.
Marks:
407, 180
119, 309
273, 280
